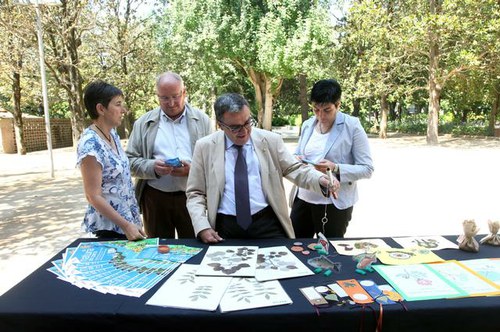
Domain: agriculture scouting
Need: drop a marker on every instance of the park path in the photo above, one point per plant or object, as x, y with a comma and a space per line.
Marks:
416, 189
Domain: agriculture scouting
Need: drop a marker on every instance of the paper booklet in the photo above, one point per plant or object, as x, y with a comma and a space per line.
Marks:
488, 268
418, 282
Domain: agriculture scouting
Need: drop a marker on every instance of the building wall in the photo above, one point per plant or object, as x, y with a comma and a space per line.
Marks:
35, 137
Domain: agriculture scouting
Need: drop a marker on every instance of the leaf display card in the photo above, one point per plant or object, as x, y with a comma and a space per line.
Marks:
184, 289
229, 261
248, 293
279, 263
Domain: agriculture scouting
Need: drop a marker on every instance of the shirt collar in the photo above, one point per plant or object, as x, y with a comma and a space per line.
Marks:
178, 120
229, 143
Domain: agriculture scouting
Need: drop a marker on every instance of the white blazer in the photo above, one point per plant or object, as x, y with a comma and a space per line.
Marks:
346, 146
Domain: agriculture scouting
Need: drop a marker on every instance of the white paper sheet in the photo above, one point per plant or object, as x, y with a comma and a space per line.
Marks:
184, 289
229, 261
248, 293
279, 263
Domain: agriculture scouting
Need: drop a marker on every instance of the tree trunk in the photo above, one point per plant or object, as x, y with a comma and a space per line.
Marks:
384, 107
17, 114
76, 85
434, 86
494, 111
122, 31
16, 65
304, 105
356, 107
268, 106
256, 79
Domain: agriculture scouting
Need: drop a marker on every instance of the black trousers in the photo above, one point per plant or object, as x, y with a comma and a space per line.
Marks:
164, 213
307, 219
265, 225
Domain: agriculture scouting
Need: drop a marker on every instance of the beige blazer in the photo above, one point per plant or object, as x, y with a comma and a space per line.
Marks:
206, 180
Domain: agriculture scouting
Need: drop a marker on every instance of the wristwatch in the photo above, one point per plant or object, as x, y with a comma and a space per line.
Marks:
336, 169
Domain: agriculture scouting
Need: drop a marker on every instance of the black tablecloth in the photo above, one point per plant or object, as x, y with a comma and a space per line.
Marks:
41, 302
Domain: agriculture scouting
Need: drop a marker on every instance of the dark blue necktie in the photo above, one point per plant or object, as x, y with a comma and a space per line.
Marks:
241, 192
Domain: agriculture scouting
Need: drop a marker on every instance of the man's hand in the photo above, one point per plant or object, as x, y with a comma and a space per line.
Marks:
210, 236
181, 171
162, 169
332, 187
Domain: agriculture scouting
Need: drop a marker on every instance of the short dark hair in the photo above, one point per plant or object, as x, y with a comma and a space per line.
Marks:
326, 91
229, 102
99, 92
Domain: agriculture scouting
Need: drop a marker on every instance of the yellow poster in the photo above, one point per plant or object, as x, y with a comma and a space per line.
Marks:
405, 256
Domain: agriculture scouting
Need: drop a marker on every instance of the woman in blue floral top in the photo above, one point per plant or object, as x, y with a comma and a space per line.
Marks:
113, 211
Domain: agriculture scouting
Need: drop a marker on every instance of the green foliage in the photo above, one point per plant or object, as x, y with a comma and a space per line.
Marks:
279, 121
295, 120
414, 124
417, 124
378, 48
5, 102
61, 110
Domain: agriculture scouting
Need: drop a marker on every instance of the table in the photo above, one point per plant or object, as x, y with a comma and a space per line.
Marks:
41, 302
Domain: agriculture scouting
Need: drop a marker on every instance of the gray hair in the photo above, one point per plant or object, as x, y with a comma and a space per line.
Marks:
229, 102
169, 76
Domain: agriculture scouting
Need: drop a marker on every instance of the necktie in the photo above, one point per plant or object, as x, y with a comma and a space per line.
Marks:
241, 192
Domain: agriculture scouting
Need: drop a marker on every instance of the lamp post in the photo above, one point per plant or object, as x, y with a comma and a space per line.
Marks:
42, 73
44, 86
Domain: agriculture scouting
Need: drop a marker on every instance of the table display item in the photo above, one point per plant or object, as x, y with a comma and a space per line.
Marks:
230, 261
493, 238
184, 289
279, 263
248, 293
365, 261
466, 241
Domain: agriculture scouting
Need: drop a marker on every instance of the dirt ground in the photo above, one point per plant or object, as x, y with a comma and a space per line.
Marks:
416, 189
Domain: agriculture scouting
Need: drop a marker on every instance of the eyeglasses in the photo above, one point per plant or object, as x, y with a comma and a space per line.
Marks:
168, 99
237, 128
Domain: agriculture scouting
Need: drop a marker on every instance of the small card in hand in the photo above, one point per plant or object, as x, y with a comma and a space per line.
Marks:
174, 162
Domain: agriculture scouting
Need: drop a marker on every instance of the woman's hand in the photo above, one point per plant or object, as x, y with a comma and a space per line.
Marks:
134, 233
324, 164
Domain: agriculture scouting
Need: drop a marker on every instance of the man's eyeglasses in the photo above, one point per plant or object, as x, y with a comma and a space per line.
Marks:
174, 97
236, 129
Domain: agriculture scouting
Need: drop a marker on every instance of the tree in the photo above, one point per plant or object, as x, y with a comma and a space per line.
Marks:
369, 33
64, 26
125, 53
454, 35
252, 37
16, 25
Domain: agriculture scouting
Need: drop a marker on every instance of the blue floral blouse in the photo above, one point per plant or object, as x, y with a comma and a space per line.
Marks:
117, 186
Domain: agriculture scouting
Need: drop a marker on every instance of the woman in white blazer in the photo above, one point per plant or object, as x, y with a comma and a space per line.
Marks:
336, 141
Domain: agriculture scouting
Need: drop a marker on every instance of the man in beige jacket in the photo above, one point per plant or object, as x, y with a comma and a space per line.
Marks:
211, 186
